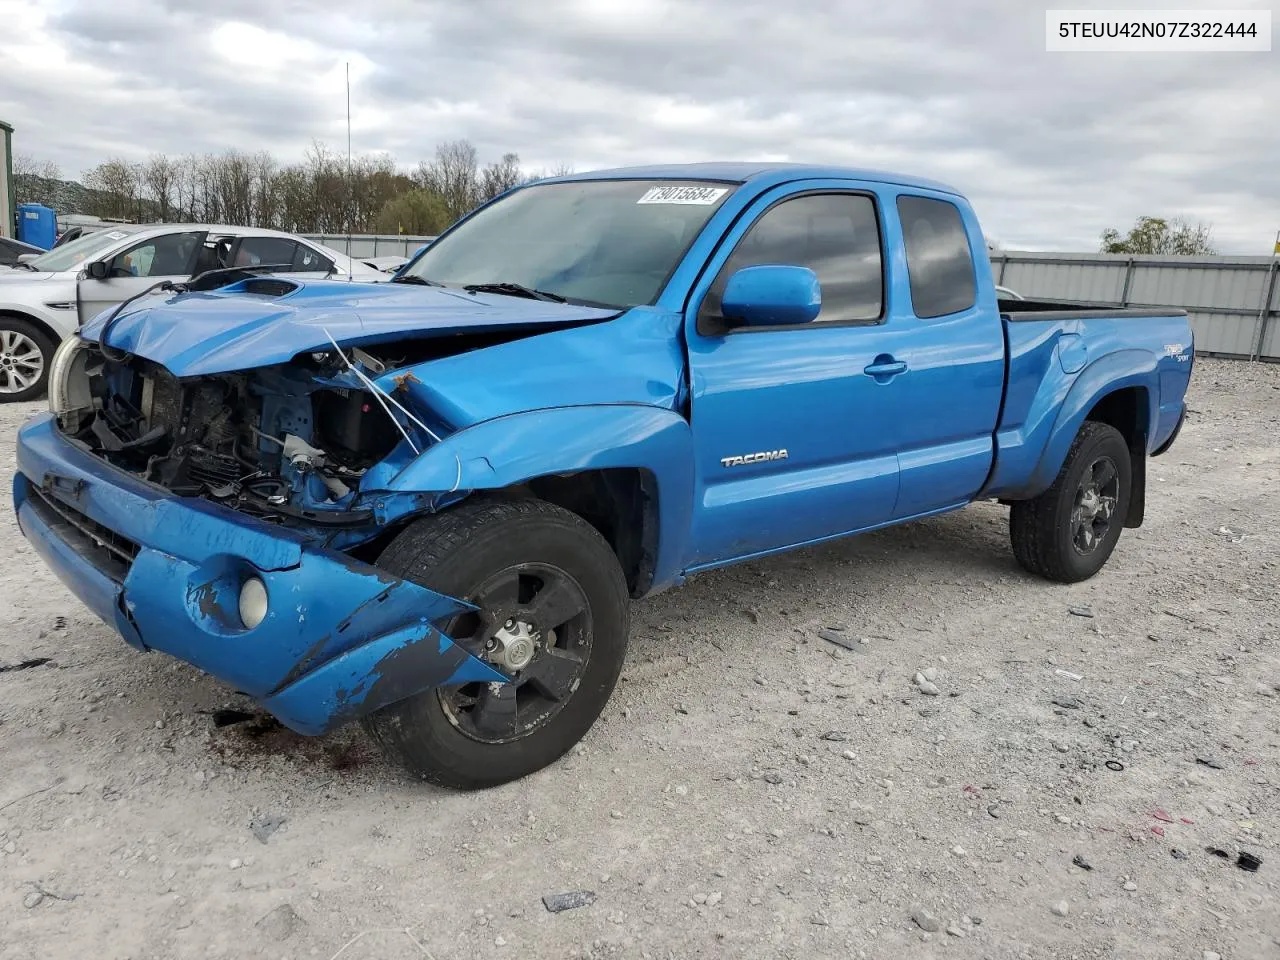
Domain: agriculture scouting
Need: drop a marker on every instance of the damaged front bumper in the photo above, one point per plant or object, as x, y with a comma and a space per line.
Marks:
340, 639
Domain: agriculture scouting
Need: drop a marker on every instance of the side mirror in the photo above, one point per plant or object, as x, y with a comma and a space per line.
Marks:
97, 270
27, 257
772, 295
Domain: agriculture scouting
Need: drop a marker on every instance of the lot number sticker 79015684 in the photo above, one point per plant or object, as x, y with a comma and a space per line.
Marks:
699, 195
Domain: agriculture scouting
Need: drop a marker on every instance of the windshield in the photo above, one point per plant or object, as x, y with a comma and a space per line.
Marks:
612, 242
78, 251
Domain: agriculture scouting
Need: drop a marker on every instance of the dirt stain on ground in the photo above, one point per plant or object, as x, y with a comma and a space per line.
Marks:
241, 735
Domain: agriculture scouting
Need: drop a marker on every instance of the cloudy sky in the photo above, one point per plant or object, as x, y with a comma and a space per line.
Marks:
1051, 147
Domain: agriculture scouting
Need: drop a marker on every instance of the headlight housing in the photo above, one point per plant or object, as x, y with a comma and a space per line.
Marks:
68, 381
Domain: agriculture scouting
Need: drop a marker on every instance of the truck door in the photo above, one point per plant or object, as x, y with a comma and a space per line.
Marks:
948, 400
169, 256
789, 422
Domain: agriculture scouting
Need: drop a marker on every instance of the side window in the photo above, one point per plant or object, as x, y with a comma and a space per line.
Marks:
265, 251
939, 262
171, 255
306, 260
836, 235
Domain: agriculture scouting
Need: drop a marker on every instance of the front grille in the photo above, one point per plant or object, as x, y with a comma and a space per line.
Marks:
109, 552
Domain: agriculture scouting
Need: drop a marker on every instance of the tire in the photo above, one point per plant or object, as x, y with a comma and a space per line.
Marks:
25, 354
1054, 541
463, 737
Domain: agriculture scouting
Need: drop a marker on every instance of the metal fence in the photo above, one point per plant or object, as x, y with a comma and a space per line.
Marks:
1232, 302
365, 245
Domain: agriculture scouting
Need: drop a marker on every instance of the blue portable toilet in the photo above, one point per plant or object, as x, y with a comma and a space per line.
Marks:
37, 225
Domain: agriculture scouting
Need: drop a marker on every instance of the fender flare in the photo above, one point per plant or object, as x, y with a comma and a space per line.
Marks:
1106, 375
514, 449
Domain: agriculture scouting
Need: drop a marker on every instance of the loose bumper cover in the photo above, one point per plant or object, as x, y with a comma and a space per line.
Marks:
340, 638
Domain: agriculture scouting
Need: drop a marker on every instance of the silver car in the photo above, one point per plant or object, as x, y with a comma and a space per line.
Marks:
47, 298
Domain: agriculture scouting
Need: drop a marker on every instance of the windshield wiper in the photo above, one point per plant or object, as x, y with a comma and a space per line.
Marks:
414, 278
514, 290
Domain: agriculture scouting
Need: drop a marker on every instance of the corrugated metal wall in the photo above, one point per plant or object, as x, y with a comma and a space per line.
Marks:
1232, 302
371, 245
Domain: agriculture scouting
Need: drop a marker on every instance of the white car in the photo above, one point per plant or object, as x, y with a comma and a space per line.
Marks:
45, 299
388, 264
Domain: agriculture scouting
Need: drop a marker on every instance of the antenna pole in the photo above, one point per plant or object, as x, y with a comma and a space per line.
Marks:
351, 188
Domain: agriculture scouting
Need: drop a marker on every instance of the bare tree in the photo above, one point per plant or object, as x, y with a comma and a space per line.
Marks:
36, 181
266, 201
498, 178
233, 184
25, 165
294, 194
452, 175
375, 182
323, 203
118, 183
160, 178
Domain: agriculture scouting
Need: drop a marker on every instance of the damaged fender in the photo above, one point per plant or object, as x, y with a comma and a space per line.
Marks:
513, 449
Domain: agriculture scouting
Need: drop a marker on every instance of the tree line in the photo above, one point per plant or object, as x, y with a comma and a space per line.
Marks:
324, 193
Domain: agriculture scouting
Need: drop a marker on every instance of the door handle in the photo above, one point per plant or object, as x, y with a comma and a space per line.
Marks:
884, 368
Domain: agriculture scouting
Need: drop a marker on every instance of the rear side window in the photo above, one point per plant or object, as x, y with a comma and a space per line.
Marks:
306, 260
266, 251
836, 235
939, 262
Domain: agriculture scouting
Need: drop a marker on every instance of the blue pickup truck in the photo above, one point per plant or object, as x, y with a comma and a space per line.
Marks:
426, 504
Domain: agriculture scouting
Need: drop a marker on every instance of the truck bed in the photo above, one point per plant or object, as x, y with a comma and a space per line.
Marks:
1062, 355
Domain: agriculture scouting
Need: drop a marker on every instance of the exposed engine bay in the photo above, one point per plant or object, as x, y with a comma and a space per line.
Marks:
287, 443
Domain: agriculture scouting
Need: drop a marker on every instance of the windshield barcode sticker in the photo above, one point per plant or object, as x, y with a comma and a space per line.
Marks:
704, 196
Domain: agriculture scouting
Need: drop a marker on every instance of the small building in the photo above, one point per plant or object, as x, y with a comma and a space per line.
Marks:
7, 210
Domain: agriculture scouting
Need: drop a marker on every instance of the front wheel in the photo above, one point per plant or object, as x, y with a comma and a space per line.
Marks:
1068, 532
25, 354
553, 616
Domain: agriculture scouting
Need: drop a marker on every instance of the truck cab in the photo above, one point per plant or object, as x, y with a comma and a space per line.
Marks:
854, 395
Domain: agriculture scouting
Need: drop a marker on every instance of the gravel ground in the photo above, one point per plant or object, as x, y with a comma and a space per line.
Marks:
751, 791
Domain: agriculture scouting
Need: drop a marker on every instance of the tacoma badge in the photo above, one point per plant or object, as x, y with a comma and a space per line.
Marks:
760, 457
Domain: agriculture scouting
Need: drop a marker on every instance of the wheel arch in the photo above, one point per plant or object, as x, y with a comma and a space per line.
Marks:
622, 504
1130, 411
626, 469
8, 313
1122, 390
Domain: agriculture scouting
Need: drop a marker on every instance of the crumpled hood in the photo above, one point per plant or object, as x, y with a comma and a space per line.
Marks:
193, 334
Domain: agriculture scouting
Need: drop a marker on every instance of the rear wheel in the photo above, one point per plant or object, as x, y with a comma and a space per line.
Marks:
1068, 532
25, 354
553, 616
